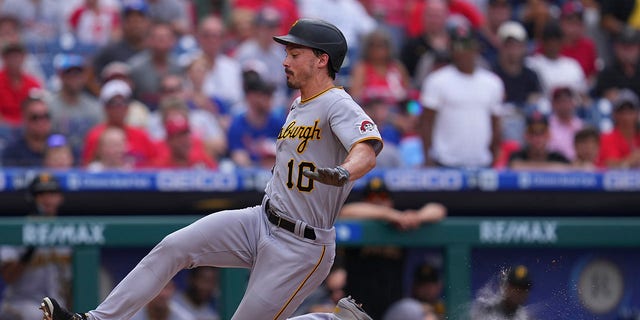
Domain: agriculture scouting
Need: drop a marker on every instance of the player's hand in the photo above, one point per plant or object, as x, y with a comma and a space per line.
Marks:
337, 176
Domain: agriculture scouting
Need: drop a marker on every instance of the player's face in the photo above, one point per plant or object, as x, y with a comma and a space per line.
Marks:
299, 65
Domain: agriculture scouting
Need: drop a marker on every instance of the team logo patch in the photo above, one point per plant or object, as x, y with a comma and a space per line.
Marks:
366, 126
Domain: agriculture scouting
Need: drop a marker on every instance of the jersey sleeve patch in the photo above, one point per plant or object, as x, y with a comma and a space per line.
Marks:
366, 126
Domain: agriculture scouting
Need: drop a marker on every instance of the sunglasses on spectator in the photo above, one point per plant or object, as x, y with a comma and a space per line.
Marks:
39, 116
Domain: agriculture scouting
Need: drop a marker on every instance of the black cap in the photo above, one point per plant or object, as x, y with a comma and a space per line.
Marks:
626, 99
628, 35
377, 187
537, 118
44, 182
253, 82
552, 31
519, 277
426, 273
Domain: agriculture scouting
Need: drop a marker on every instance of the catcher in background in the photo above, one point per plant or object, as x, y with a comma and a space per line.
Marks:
30, 272
288, 241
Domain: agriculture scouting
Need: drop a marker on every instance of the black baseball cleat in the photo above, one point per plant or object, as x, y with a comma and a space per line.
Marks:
53, 311
348, 309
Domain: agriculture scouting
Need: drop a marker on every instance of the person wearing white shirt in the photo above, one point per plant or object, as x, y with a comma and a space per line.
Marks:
460, 124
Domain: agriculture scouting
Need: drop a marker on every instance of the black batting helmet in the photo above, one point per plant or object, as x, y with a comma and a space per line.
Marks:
318, 34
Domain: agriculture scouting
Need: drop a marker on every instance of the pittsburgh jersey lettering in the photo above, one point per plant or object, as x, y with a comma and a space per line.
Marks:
305, 133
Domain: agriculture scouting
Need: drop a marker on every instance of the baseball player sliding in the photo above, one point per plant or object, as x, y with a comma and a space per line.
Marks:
288, 242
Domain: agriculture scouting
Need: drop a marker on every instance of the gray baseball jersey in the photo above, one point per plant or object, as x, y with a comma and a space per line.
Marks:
319, 133
285, 266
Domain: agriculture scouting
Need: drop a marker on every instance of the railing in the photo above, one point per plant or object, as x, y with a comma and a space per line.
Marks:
456, 236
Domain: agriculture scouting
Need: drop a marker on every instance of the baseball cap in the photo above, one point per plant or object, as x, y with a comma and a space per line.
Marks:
518, 276
268, 16
537, 122
114, 88
176, 123
560, 91
114, 69
626, 99
426, 273
552, 31
44, 182
56, 140
572, 8
253, 82
628, 35
134, 6
512, 30
460, 33
14, 46
376, 186
65, 62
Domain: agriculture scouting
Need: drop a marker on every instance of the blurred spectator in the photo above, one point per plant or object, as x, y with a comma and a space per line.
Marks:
288, 10
460, 123
616, 15
30, 272
262, 54
620, 148
553, 69
15, 84
149, 66
576, 44
138, 114
223, 81
563, 122
249, 129
508, 302
326, 296
28, 148
111, 152
536, 155
460, 11
10, 32
392, 16
200, 293
162, 307
624, 70
586, 142
135, 27
380, 111
240, 28
197, 70
171, 12
42, 20
535, 15
349, 16
379, 74
425, 301
378, 204
58, 154
433, 38
521, 84
204, 126
180, 149
498, 13
115, 96
95, 24
74, 112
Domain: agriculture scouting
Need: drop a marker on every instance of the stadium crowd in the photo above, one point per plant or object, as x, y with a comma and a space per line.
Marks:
131, 84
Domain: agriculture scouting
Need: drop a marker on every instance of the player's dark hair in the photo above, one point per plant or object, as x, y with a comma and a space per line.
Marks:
330, 71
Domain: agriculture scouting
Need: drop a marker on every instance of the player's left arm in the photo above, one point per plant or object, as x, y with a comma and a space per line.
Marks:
360, 160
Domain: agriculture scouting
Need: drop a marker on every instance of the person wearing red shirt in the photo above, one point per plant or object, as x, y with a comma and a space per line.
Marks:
15, 85
620, 148
181, 149
115, 96
576, 44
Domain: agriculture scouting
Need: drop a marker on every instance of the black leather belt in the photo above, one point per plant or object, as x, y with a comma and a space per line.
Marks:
285, 223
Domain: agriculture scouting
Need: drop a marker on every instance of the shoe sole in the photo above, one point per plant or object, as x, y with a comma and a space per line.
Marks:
47, 309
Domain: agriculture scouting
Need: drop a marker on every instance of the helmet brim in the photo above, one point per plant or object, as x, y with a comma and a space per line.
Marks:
291, 39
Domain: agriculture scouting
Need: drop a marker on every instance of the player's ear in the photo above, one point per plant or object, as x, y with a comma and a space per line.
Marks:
323, 60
